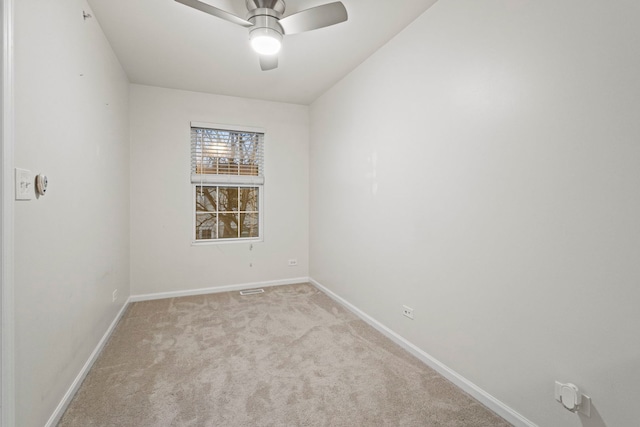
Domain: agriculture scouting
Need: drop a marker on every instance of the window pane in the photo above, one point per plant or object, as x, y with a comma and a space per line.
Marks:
249, 199
219, 151
228, 225
205, 199
205, 226
248, 225
227, 212
228, 199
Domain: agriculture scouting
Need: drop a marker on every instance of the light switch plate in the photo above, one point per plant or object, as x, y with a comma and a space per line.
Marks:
24, 184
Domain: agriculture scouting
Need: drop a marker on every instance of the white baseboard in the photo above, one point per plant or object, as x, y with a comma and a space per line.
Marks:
213, 290
482, 396
64, 403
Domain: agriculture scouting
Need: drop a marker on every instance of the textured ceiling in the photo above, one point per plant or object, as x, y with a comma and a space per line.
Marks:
164, 43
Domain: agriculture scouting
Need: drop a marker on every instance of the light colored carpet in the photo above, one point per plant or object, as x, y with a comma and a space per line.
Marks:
288, 357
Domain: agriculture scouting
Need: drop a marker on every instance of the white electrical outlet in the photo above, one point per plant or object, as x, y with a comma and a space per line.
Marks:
114, 296
293, 262
407, 312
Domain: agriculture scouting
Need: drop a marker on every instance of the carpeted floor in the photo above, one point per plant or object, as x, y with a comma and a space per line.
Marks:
288, 357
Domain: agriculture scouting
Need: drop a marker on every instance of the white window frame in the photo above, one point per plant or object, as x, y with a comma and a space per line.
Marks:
260, 238
227, 181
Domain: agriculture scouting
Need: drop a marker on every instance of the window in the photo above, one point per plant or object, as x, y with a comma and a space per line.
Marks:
227, 212
227, 177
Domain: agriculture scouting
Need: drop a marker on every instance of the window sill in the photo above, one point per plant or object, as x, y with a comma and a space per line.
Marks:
224, 241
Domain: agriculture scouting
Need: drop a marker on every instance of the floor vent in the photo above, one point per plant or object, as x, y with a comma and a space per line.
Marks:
251, 292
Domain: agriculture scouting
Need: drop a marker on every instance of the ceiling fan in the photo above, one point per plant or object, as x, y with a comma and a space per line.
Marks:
267, 25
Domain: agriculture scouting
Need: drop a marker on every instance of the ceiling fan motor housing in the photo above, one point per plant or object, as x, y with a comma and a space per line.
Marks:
275, 5
264, 15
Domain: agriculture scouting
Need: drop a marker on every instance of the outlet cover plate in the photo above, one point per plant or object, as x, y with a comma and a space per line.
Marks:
24, 184
407, 312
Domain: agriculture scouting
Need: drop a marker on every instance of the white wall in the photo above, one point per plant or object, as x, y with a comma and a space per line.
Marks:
72, 245
483, 168
163, 258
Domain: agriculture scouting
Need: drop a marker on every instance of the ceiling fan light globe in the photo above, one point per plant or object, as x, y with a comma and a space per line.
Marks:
266, 45
266, 41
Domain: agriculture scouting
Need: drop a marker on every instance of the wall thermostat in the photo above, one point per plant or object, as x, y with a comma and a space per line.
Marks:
41, 184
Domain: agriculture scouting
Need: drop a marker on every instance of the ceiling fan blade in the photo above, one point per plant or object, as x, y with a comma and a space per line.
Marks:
268, 62
206, 8
314, 18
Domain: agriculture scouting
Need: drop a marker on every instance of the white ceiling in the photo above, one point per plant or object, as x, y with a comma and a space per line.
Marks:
165, 43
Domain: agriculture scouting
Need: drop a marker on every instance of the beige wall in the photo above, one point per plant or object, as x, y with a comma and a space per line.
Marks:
72, 245
163, 258
482, 168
